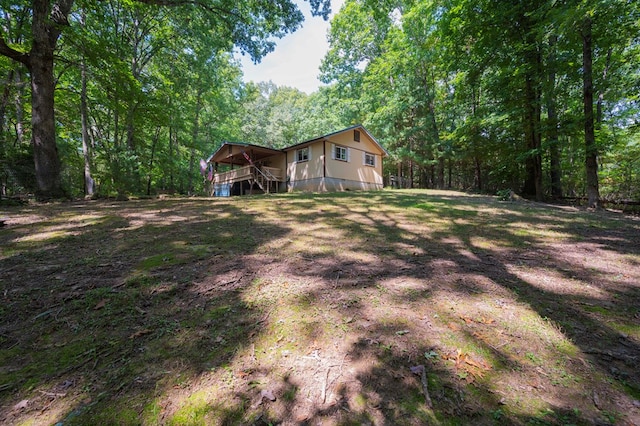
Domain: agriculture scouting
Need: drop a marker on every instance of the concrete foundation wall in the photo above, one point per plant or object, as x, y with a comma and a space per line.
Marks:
331, 185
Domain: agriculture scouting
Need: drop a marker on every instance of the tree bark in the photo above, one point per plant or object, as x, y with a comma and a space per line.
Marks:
195, 135
555, 171
89, 183
4, 100
156, 138
591, 149
478, 173
533, 181
43, 129
45, 30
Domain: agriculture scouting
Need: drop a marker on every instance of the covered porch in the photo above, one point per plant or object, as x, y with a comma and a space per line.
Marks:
241, 169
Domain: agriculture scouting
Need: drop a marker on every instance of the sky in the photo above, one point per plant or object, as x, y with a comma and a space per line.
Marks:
295, 62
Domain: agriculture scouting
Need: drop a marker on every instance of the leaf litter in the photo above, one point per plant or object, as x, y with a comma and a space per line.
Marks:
505, 326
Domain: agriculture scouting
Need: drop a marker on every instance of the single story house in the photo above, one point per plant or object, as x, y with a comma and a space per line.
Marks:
349, 159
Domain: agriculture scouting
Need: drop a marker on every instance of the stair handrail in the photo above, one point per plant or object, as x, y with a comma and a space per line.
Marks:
264, 175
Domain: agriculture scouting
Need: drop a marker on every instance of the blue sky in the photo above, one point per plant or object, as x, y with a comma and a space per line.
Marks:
296, 59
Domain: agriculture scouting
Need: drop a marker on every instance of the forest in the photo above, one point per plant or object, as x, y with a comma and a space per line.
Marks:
539, 97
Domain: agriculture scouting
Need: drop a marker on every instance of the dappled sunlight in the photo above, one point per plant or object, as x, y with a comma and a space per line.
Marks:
43, 229
528, 230
314, 308
50, 235
554, 282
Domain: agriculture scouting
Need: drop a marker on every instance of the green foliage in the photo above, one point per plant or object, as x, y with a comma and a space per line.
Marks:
478, 95
154, 82
486, 95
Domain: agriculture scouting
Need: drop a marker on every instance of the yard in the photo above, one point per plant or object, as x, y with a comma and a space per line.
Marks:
392, 307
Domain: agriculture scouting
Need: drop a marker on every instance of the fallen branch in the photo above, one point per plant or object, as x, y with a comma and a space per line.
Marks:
419, 370
324, 386
611, 354
53, 394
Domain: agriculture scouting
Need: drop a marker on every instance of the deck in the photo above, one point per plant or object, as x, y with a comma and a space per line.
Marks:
266, 178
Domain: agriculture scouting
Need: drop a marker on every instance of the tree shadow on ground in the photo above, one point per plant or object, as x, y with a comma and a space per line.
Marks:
108, 306
592, 349
315, 308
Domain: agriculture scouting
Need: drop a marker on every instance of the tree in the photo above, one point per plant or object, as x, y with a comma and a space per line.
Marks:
591, 150
247, 24
526, 95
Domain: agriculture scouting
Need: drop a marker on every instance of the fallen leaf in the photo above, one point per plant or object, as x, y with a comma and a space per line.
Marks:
268, 394
21, 405
453, 326
417, 370
480, 365
431, 355
140, 333
101, 304
596, 401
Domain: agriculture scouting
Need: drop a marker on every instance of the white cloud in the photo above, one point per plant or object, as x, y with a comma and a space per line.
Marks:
295, 62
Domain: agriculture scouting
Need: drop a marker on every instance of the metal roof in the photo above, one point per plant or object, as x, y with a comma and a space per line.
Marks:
259, 152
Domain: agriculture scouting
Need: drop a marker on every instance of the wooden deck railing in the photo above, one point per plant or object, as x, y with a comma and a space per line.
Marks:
247, 173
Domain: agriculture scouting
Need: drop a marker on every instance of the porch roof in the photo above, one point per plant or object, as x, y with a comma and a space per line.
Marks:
228, 153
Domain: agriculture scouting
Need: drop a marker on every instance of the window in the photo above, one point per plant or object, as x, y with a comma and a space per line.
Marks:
369, 159
302, 154
356, 135
340, 153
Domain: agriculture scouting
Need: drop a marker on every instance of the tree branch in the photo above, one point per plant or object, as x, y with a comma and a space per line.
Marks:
198, 3
11, 53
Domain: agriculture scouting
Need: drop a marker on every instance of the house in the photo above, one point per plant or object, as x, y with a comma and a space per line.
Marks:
349, 159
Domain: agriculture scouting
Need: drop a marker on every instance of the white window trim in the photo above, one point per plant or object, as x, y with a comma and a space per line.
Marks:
300, 150
347, 150
364, 159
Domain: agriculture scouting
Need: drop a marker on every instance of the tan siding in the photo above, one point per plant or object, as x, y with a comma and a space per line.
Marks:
314, 168
335, 175
278, 161
355, 169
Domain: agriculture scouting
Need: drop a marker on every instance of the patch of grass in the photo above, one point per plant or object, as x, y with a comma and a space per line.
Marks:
533, 358
143, 280
164, 259
181, 311
632, 330
110, 415
598, 309
194, 410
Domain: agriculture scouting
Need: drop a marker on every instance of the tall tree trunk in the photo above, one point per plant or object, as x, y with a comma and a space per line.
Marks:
156, 138
4, 101
478, 173
172, 159
19, 103
555, 171
43, 129
194, 140
410, 173
441, 167
591, 150
477, 162
45, 30
89, 183
533, 181
601, 92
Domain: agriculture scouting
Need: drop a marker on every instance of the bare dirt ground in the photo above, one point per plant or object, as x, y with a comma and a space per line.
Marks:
398, 307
